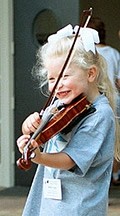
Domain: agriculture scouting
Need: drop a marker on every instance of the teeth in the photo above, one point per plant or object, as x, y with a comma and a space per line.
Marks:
63, 92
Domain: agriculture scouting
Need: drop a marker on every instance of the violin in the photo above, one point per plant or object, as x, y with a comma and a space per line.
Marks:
57, 120
60, 121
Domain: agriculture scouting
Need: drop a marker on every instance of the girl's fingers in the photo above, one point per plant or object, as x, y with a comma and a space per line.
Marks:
22, 141
31, 123
34, 143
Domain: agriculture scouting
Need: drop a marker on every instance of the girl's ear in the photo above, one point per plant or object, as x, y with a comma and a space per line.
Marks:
92, 73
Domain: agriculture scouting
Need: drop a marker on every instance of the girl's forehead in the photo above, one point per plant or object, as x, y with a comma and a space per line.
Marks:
55, 62
60, 58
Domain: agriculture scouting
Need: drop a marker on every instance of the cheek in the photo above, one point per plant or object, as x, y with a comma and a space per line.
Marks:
75, 87
79, 86
50, 86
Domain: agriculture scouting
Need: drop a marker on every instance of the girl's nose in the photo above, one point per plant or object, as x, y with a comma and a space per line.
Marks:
60, 83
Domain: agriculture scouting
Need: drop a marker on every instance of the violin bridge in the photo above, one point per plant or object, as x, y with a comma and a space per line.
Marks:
54, 110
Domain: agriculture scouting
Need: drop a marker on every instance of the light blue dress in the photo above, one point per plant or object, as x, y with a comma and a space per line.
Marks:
85, 187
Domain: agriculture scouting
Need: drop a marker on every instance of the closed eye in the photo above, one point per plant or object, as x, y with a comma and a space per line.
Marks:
65, 76
51, 80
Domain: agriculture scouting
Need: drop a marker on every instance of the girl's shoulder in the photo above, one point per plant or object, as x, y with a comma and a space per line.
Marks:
102, 106
102, 115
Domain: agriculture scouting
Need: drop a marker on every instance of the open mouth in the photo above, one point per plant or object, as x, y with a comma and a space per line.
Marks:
63, 94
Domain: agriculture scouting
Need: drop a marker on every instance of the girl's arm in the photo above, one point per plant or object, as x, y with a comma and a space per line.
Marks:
59, 160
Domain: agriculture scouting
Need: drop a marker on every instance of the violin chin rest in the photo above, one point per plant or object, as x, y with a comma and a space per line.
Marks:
23, 164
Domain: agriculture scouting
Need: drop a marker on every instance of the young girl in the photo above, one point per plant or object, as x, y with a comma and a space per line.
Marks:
74, 174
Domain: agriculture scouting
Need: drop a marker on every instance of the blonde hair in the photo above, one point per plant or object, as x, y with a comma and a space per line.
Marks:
84, 60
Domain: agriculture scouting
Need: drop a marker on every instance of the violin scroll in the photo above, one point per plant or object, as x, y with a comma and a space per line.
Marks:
23, 164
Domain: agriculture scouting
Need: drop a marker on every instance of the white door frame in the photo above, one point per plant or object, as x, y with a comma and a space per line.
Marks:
6, 94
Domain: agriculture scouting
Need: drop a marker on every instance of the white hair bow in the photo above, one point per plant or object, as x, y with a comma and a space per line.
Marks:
89, 36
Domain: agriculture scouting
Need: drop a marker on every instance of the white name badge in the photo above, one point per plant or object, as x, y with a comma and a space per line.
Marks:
52, 188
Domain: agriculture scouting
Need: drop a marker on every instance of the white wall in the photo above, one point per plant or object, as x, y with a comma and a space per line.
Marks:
6, 94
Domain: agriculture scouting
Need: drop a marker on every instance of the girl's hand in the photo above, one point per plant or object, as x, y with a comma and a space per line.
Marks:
31, 123
23, 140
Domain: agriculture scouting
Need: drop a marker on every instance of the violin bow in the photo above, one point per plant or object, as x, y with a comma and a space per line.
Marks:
83, 23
